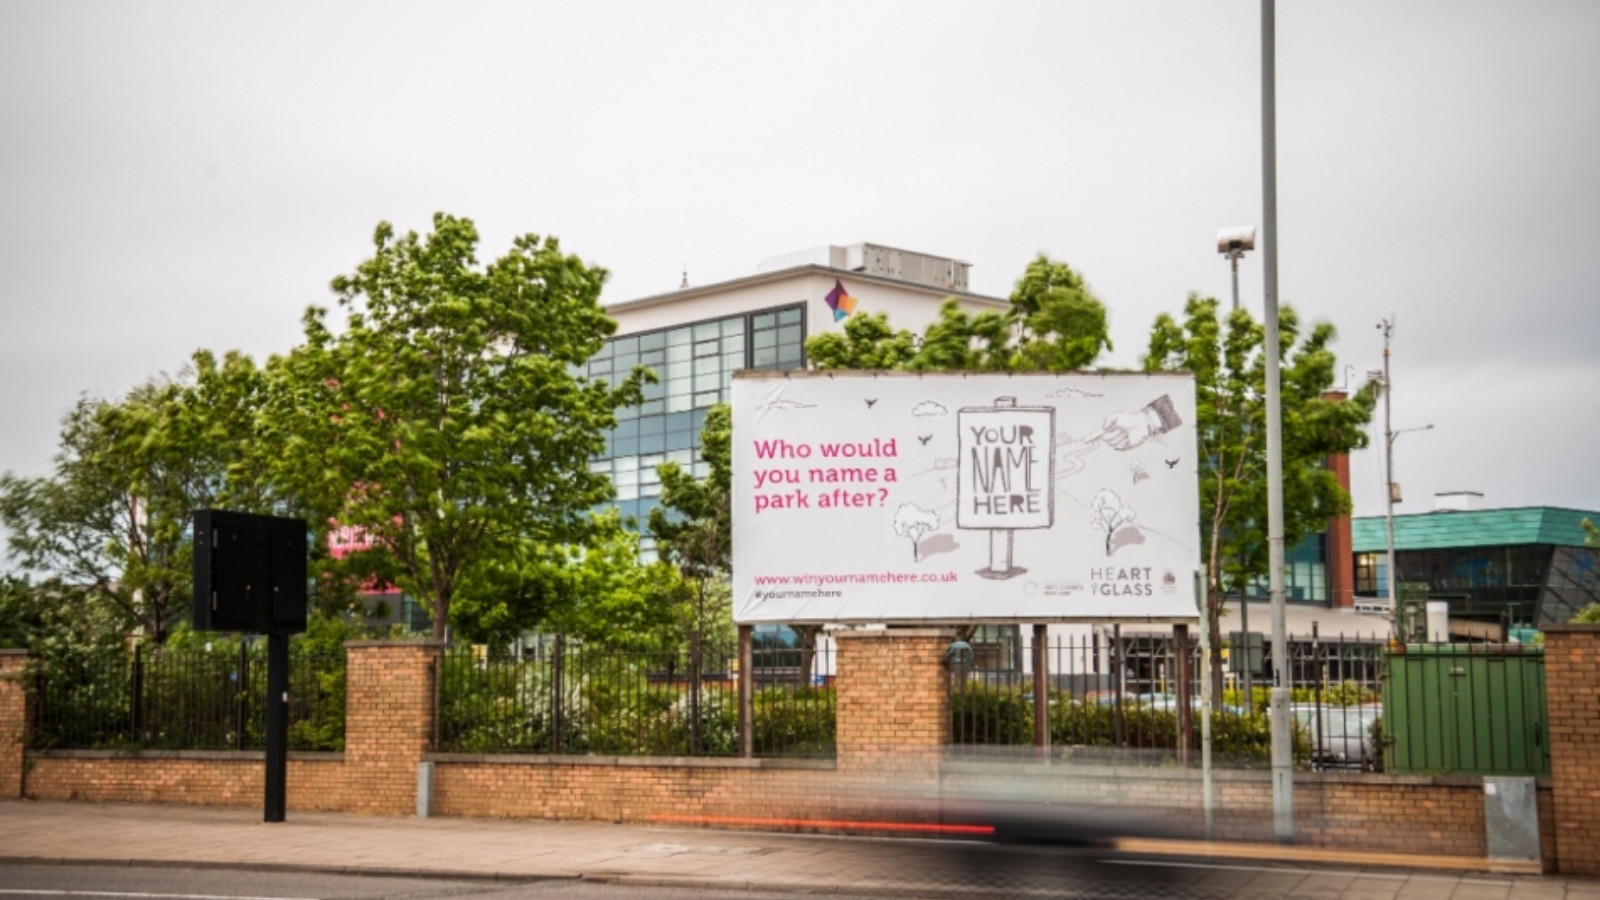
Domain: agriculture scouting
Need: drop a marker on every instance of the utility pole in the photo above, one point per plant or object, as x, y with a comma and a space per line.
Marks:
1278, 702
1396, 612
1391, 490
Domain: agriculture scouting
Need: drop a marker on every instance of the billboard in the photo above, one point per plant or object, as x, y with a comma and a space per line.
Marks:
964, 497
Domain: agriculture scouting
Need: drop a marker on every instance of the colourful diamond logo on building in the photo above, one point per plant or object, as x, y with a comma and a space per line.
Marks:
840, 301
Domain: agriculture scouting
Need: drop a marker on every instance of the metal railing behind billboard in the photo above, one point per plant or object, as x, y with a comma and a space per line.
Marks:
1116, 696
562, 697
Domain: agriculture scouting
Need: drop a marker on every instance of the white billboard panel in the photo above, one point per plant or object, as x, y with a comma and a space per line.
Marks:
946, 497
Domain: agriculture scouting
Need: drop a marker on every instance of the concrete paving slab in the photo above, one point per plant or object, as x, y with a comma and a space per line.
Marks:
484, 849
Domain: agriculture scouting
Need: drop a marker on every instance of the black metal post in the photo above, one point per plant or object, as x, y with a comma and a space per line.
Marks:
1041, 690
1180, 639
1118, 681
277, 772
241, 718
1318, 685
694, 693
557, 662
747, 691
135, 711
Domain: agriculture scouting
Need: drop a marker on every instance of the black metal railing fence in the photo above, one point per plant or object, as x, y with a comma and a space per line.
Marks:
563, 697
1121, 696
153, 697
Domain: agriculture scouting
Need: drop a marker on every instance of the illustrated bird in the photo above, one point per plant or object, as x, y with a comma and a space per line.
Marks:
1172, 463
924, 438
870, 401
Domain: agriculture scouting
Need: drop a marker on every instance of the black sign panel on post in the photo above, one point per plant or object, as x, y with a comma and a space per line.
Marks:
250, 575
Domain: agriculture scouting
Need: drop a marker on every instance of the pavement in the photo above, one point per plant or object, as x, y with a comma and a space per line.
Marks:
34, 832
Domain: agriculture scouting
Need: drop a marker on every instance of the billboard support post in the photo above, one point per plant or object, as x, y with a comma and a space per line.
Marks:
1041, 690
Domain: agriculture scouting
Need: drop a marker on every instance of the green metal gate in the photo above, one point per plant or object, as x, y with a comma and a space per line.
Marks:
1469, 709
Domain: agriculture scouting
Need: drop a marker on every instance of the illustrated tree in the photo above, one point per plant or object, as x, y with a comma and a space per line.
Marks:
444, 420
1226, 358
1111, 514
912, 521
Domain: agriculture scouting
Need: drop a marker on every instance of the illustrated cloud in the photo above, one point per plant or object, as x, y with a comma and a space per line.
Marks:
1071, 392
781, 403
929, 408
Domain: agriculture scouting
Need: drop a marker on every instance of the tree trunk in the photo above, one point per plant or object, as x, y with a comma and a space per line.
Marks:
441, 617
1215, 660
807, 639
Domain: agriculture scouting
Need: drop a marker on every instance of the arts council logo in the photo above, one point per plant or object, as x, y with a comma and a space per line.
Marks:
840, 301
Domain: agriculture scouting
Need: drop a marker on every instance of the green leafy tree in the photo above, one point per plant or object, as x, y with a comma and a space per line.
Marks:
1589, 615
109, 527
444, 421
598, 593
1054, 324
693, 528
1226, 358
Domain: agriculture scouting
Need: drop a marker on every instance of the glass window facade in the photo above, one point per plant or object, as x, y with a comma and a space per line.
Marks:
1372, 574
1305, 573
997, 648
1537, 584
694, 365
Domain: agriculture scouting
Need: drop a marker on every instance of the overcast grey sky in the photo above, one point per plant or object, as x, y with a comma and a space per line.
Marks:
176, 176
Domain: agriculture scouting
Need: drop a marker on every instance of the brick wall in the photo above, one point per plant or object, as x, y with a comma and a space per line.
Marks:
13, 721
1572, 689
892, 728
201, 778
389, 690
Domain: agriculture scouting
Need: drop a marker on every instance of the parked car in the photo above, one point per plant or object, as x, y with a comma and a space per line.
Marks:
1343, 736
1162, 701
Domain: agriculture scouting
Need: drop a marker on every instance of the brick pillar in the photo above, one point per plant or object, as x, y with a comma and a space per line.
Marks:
1340, 566
1341, 562
388, 722
893, 700
1572, 691
13, 721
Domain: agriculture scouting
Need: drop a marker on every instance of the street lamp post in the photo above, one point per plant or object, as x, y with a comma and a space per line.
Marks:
1396, 613
1233, 243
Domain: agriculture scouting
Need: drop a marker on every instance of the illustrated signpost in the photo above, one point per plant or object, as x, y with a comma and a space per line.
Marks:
1005, 476
250, 576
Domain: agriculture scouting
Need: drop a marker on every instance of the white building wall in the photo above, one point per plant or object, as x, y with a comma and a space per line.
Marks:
908, 306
